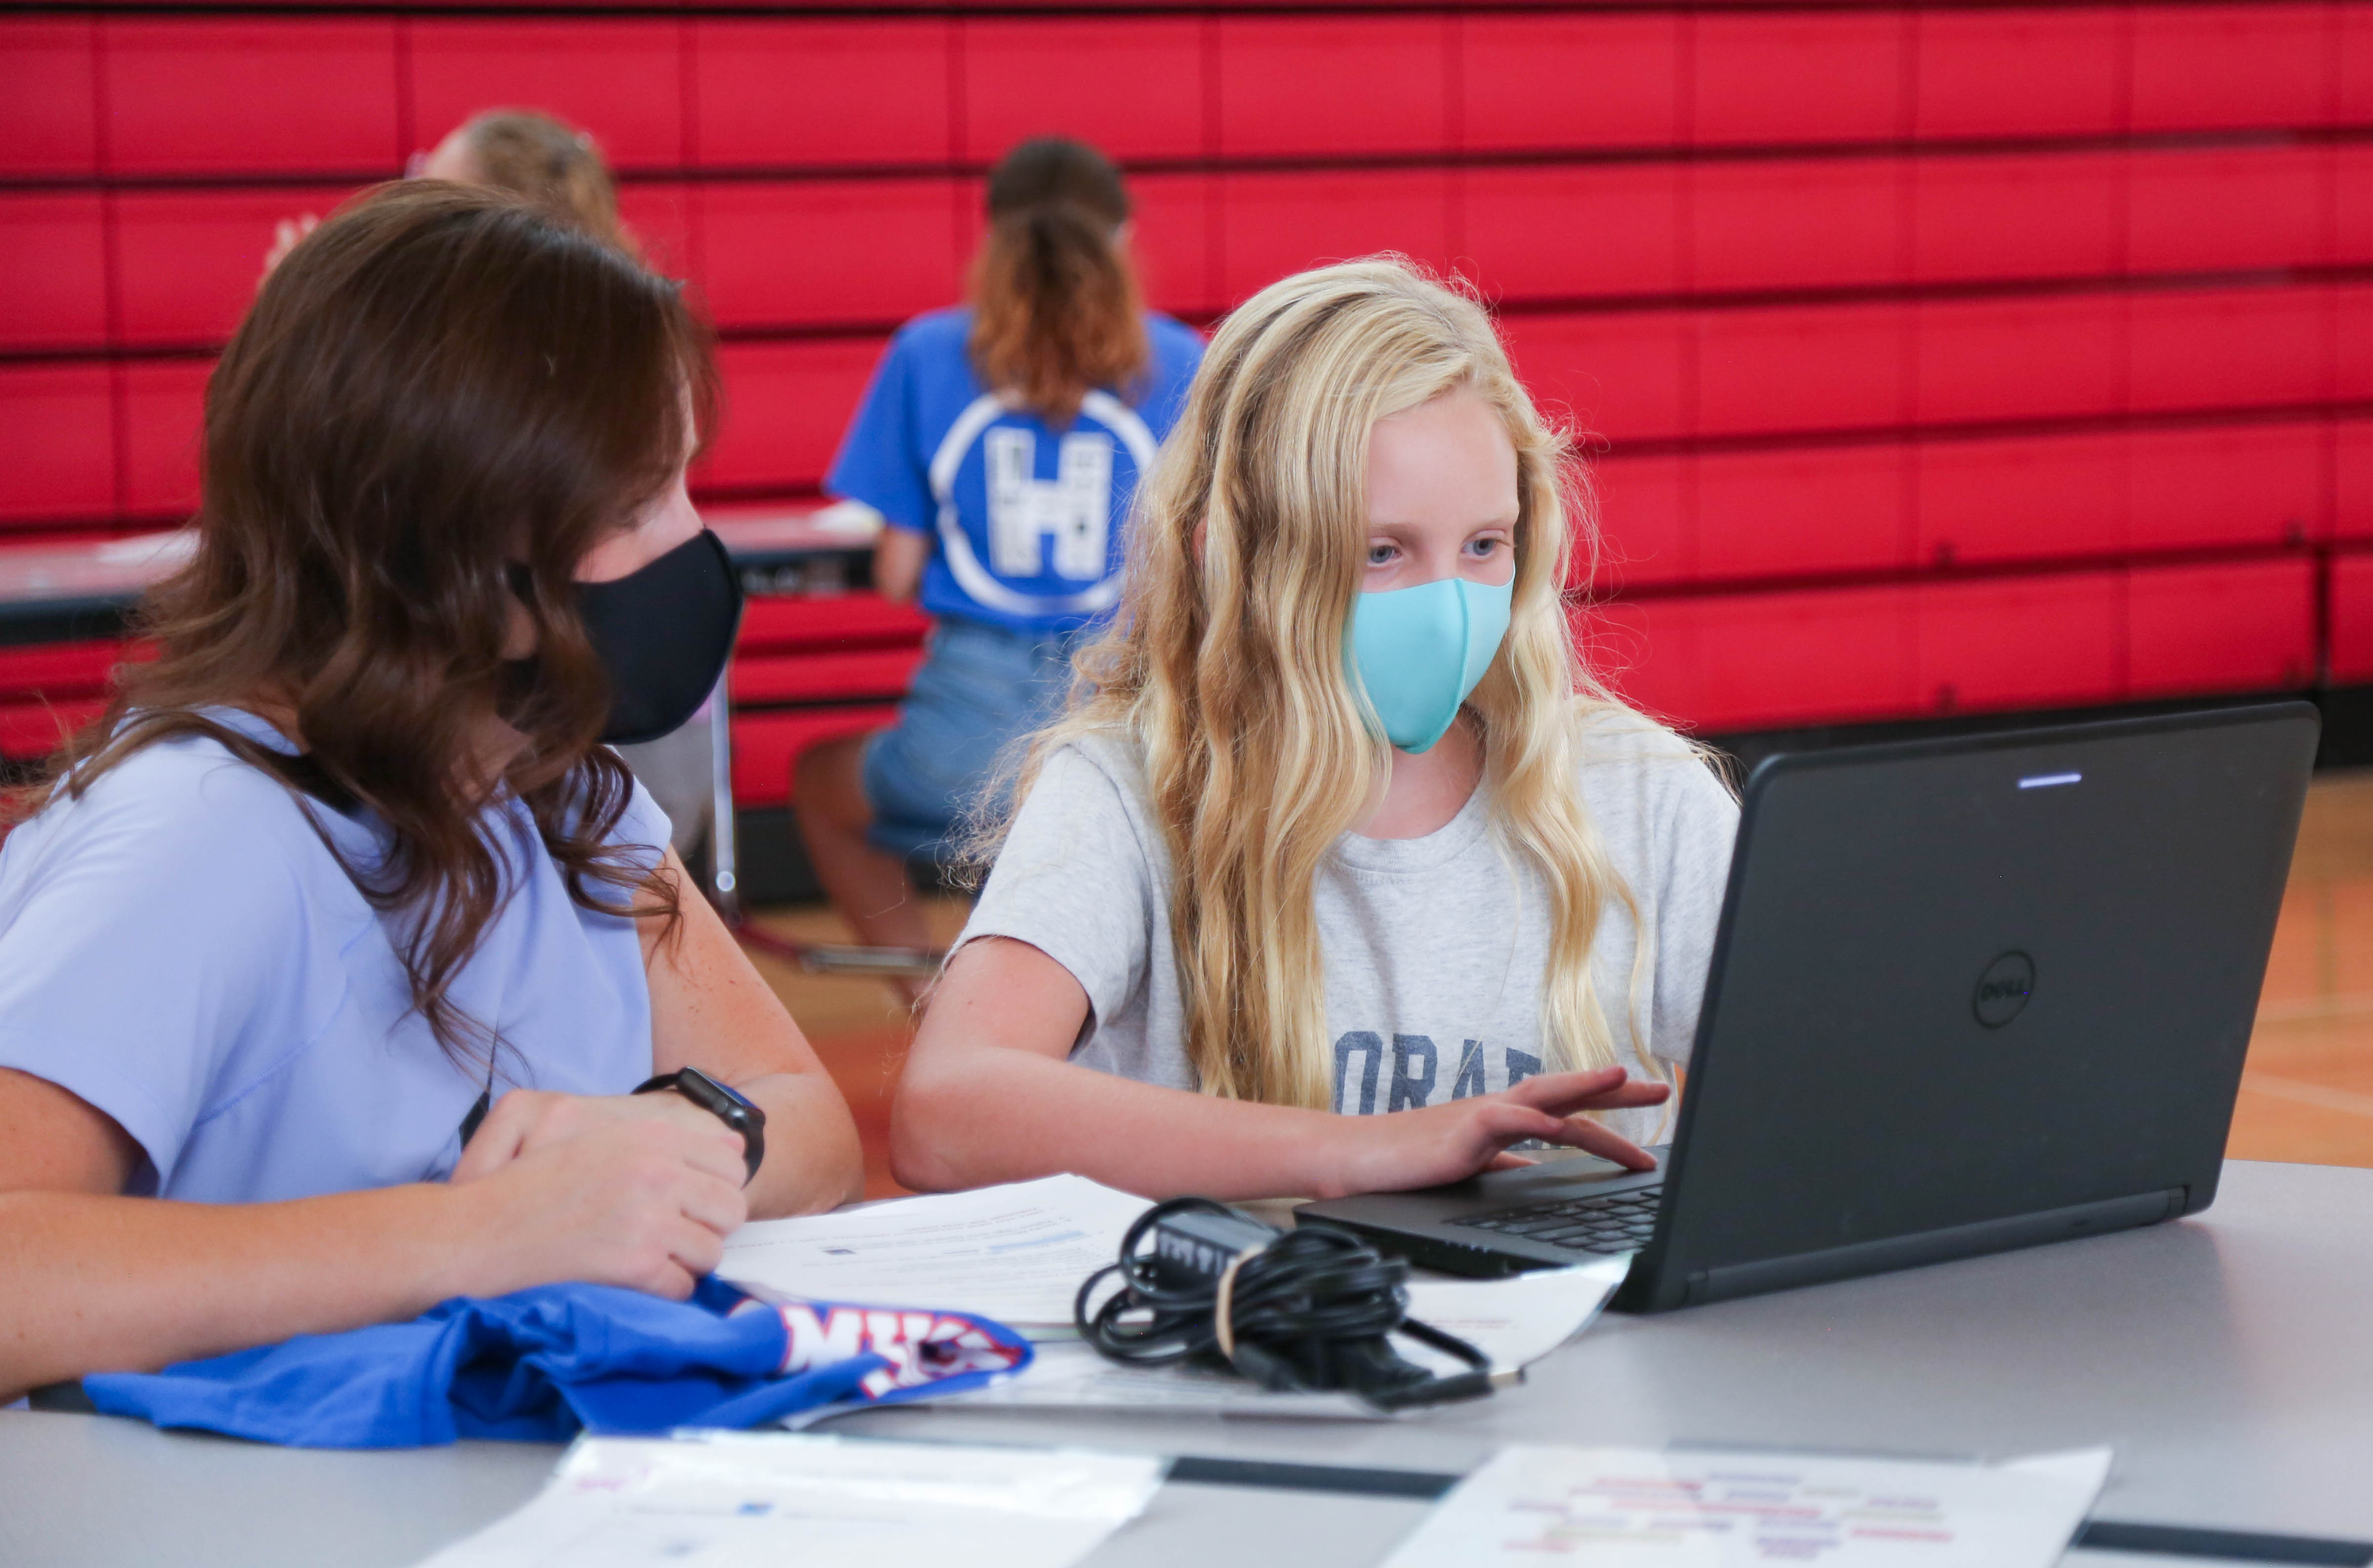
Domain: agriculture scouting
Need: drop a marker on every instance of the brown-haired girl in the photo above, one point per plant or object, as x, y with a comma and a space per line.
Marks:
1002, 443
333, 958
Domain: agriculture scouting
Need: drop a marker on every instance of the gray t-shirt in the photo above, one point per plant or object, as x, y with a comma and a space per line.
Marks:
1435, 947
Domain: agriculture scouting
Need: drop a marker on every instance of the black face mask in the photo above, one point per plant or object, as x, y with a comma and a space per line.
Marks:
664, 632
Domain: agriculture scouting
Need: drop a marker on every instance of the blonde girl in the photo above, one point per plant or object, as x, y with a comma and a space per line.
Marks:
1340, 874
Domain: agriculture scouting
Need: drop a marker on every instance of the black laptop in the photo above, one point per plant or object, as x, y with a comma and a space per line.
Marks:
1968, 994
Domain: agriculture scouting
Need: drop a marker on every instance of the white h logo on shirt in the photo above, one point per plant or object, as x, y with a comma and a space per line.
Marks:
1074, 508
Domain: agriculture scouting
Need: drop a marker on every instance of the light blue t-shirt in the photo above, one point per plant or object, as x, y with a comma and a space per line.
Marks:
180, 949
1027, 519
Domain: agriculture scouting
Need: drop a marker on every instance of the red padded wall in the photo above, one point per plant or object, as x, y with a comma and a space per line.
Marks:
1752, 76
2227, 628
2205, 210
1797, 222
2352, 618
1273, 223
163, 407
1978, 218
800, 92
1309, 87
2260, 485
61, 425
2021, 642
186, 262
1576, 81
808, 253
2232, 66
1789, 657
218, 97
1931, 358
1648, 538
1618, 374
2001, 499
2352, 479
774, 440
1802, 512
624, 78
2019, 71
49, 96
53, 255
1542, 232
1134, 85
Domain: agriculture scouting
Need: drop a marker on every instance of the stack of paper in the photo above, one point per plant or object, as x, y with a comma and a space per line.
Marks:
733, 1501
1637, 1508
1015, 1253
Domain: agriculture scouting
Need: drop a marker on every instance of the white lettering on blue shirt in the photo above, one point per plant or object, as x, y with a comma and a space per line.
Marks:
1074, 508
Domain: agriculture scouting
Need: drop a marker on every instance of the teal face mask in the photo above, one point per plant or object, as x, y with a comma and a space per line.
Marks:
1420, 650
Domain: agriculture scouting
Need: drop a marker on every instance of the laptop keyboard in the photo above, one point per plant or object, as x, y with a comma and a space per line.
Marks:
1622, 1223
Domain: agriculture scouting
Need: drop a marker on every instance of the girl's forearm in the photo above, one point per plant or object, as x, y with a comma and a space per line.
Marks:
812, 1159
977, 1117
102, 1283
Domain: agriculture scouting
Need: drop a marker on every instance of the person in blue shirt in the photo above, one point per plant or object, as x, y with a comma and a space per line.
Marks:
1003, 442
344, 968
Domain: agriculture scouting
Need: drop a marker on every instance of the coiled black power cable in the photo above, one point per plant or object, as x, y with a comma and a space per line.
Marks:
1303, 1309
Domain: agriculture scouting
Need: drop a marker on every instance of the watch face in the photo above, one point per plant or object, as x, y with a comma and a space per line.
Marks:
723, 1098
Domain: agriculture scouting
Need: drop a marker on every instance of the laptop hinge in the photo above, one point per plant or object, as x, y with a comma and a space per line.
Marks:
1935, 1246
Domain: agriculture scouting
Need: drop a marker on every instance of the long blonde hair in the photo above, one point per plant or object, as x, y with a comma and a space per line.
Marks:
1225, 668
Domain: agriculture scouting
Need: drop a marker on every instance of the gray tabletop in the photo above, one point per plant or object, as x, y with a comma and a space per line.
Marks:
2227, 1359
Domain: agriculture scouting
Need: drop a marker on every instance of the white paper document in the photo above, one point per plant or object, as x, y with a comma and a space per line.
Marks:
738, 1501
1515, 1321
1015, 1253
1638, 1508
854, 518
1519, 1320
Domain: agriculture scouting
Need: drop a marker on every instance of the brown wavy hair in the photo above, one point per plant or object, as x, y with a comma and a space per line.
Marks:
439, 385
1056, 313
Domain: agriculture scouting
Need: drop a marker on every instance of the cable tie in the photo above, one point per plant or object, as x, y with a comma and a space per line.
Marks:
1223, 1307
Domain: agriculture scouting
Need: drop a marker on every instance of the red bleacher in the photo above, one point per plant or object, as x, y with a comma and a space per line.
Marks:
51, 690
1940, 360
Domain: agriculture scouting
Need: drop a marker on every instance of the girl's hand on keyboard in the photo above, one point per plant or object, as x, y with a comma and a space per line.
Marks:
1444, 1144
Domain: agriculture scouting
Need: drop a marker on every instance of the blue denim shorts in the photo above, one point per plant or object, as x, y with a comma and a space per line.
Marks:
980, 689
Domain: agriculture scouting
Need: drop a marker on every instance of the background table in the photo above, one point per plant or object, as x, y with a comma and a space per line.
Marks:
58, 592
2229, 1358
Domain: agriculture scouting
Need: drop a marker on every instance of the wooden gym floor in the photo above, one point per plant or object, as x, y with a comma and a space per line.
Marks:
2307, 1095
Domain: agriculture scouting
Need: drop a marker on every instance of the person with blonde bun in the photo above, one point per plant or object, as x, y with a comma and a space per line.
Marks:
1342, 873
523, 151
538, 158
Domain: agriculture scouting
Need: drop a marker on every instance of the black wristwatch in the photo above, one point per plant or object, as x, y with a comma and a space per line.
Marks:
727, 1104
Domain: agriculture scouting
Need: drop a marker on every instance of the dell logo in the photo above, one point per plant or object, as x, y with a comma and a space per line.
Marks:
2004, 989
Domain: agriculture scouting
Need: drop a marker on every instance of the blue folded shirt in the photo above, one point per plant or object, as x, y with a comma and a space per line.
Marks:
540, 1365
